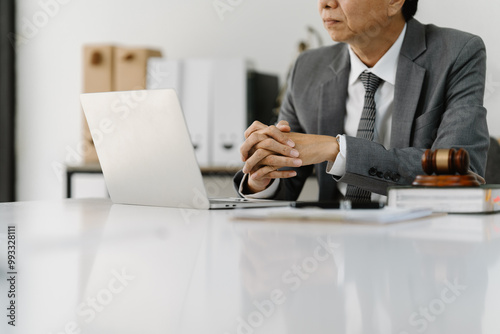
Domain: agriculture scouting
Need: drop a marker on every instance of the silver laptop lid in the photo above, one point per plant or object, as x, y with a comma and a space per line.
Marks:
144, 148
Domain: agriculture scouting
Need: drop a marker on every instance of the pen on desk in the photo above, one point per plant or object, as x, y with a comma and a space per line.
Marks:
337, 205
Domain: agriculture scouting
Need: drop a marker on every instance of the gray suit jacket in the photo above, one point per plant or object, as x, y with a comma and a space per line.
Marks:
438, 103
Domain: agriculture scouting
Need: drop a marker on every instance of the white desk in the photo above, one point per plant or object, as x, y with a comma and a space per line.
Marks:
86, 266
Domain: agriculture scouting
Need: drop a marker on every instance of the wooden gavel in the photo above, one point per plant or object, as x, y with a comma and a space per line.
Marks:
446, 164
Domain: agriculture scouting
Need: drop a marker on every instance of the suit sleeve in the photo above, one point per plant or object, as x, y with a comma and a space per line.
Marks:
459, 123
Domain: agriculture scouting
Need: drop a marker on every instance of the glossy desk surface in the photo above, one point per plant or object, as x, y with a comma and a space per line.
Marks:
87, 266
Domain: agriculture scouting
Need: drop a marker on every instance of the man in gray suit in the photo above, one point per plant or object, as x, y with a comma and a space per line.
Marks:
429, 92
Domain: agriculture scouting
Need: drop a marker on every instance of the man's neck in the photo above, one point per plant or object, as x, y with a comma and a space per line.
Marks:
370, 53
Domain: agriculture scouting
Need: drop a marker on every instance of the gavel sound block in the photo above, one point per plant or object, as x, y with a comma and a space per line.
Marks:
446, 168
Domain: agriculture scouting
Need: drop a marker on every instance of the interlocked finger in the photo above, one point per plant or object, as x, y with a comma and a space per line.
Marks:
269, 133
263, 157
271, 172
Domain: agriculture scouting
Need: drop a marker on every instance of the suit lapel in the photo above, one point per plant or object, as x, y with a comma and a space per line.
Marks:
409, 80
333, 95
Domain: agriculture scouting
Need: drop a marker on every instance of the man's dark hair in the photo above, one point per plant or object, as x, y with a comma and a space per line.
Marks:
409, 9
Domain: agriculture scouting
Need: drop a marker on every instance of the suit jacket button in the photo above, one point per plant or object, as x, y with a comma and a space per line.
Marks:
380, 175
372, 171
388, 175
396, 177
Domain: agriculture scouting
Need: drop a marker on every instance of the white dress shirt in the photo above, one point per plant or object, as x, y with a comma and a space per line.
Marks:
385, 69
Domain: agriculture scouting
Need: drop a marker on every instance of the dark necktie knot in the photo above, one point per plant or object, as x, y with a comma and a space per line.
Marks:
370, 81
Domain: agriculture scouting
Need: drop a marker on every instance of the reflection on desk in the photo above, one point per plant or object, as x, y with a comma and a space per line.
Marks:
100, 268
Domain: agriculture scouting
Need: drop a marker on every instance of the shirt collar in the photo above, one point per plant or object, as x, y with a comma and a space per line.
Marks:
385, 68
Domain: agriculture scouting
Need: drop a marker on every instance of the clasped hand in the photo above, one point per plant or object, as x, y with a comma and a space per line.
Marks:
268, 148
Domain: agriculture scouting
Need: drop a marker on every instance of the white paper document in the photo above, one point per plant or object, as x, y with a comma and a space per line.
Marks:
364, 216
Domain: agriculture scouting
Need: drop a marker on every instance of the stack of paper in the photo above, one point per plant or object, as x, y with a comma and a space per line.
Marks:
376, 216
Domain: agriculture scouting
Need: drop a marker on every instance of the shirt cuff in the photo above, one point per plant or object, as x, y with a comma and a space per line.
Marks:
337, 168
269, 192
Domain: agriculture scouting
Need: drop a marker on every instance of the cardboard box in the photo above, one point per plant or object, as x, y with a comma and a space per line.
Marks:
97, 77
97, 68
109, 68
130, 67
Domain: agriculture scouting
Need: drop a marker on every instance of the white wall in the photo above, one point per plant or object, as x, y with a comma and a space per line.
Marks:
49, 57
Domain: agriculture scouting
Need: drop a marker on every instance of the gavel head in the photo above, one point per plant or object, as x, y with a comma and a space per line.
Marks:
446, 161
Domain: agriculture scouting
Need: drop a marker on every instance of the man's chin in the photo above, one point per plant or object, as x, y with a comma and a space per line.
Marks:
337, 38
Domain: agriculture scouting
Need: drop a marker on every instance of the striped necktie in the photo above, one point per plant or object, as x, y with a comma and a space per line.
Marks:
365, 129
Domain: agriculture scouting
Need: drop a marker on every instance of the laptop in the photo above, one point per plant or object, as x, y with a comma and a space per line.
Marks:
146, 154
